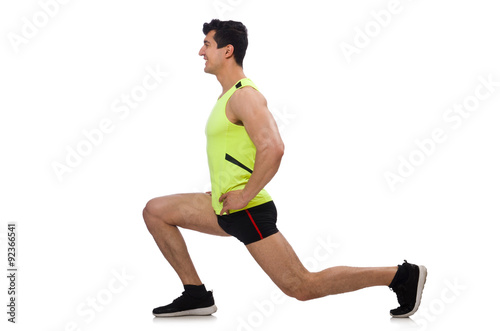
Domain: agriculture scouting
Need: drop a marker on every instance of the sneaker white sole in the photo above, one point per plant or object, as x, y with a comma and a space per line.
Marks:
420, 288
192, 312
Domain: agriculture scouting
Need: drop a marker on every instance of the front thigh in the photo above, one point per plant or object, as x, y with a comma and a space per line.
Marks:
192, 211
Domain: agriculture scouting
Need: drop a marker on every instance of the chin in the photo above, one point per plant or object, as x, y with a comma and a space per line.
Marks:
208, 71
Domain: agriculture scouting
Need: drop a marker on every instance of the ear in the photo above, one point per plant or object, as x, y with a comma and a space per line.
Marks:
229, 50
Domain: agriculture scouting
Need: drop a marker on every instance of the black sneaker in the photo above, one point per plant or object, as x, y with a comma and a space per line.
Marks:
409, 291
188, 305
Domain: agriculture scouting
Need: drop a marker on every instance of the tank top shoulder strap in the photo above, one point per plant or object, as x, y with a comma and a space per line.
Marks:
245, 82
241, 83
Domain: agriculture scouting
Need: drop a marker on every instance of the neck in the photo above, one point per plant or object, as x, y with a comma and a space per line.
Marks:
229, 76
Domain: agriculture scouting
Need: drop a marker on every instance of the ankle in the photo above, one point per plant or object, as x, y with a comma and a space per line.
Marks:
196, 291
400, 277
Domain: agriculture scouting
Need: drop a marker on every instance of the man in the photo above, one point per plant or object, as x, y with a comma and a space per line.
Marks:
244, 150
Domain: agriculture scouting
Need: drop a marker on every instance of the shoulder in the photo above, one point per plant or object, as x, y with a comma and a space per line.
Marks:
247, 96
247, 105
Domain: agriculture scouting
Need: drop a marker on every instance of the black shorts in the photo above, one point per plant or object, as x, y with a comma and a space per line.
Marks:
252, 224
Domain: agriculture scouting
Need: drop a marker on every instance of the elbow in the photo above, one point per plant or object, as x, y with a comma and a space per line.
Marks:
279, 150
272, 151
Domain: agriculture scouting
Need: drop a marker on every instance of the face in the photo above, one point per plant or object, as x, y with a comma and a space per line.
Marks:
213, 57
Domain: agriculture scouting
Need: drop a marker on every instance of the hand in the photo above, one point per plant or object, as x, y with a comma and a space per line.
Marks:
233, 200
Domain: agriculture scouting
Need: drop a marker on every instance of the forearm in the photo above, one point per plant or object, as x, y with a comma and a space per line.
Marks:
267, 162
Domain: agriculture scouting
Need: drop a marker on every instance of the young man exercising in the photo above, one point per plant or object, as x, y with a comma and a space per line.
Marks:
244, 150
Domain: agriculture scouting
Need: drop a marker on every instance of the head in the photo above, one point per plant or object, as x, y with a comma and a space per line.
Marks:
225, 43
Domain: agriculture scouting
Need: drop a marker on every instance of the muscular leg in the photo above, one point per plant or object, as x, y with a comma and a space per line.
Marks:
164, 215
277, 258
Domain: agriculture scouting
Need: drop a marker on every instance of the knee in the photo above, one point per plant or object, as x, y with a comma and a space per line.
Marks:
302, 294
300, 289
152, 212
151, 207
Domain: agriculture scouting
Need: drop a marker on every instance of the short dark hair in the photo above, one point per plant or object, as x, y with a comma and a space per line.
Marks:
229, 32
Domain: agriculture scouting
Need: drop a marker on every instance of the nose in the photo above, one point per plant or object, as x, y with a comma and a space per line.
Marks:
202, 51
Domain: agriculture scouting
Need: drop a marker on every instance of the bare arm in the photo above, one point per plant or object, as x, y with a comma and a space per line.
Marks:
249, 107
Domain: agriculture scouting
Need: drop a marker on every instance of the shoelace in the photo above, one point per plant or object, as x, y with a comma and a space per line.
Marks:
179, 298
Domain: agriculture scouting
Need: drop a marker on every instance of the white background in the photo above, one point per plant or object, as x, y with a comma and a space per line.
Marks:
344, 125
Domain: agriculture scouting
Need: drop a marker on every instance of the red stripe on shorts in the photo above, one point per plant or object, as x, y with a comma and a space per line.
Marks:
255, 225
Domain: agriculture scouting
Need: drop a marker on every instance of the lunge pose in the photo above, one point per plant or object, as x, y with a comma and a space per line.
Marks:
244, 150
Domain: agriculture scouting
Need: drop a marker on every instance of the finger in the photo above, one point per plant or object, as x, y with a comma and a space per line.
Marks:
222, 197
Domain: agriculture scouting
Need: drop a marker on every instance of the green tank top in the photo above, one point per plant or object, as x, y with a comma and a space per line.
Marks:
231, 153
